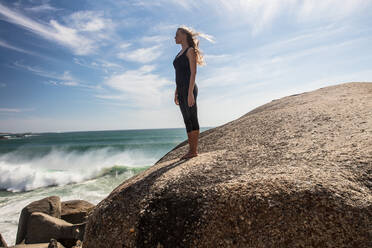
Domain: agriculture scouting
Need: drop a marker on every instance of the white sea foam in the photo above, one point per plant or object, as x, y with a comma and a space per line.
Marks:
61, 167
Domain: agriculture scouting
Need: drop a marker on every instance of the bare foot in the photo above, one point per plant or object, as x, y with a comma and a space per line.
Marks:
186, 155
189, 155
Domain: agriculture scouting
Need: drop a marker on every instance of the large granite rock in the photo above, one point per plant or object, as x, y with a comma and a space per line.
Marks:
295, 172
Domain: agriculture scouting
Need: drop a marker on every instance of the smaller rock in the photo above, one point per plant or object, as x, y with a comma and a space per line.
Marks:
49, 205
39, 245
2, 241
76, 211
79, 244
54, 244
42, 227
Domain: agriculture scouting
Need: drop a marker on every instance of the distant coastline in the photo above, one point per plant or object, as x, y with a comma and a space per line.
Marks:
13, 135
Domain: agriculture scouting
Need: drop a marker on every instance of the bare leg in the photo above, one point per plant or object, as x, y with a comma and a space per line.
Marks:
193, 144
189, 140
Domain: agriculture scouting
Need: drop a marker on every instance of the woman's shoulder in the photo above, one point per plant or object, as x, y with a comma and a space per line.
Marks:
190, 51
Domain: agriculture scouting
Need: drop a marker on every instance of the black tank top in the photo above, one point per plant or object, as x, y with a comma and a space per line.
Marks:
182, 67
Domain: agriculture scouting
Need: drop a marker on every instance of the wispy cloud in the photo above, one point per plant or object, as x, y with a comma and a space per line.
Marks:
142, 55
41, 8
141, 87
124, 45
7, 45
261, 14
98, 64
164, 27
41, 72
15, 110
90, 21
328, 9
82, 37
270, 61
63, 79
54, 31
2, 85
155, 38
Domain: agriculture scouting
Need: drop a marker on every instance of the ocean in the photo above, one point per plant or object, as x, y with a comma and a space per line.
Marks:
74, 165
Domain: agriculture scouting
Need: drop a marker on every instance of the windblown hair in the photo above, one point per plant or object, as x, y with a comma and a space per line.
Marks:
192, 41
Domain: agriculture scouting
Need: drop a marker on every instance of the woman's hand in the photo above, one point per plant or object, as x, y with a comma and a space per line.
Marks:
176, 99
190, 99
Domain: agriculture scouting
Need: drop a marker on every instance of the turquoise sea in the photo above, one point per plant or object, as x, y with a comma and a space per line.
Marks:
74, 165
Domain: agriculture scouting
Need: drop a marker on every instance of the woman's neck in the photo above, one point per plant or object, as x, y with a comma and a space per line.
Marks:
184, 46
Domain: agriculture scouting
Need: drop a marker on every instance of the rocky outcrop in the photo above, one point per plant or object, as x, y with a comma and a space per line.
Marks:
52, 244
76, 211
41, 222
49, 205
295, 172
2, 241
42, 227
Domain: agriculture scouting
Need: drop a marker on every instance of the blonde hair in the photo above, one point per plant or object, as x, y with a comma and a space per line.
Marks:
192, 41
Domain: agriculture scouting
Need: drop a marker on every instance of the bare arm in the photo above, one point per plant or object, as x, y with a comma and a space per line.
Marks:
192, 61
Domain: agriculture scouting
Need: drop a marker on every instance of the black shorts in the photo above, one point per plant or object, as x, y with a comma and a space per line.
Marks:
189, 114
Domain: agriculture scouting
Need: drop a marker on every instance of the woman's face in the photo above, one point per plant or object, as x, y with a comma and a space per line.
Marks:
179, 37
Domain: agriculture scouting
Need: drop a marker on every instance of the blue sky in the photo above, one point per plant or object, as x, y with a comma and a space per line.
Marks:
107, 65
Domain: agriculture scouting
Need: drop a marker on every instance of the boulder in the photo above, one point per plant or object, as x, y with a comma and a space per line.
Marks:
295, 172
52, 244
41, 245
50, 205
2, 241
78, 244
42, 228
75, 211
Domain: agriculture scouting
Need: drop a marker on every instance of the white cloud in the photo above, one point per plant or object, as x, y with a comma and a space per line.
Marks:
7, 45
111, 97
90, 21
85, 33
140, 87
70, 83
164, 27
99, 64
155, 38
2, 85
64, 79
216, 58
108, 64
142, 55
124, 45
277, 58
41, 8
328, 9
82, 62
54, 31
186, 4
41, 72
15, 110
71, 38
261, 14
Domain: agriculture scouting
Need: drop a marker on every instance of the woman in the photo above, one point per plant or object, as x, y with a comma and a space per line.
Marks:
186, 91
